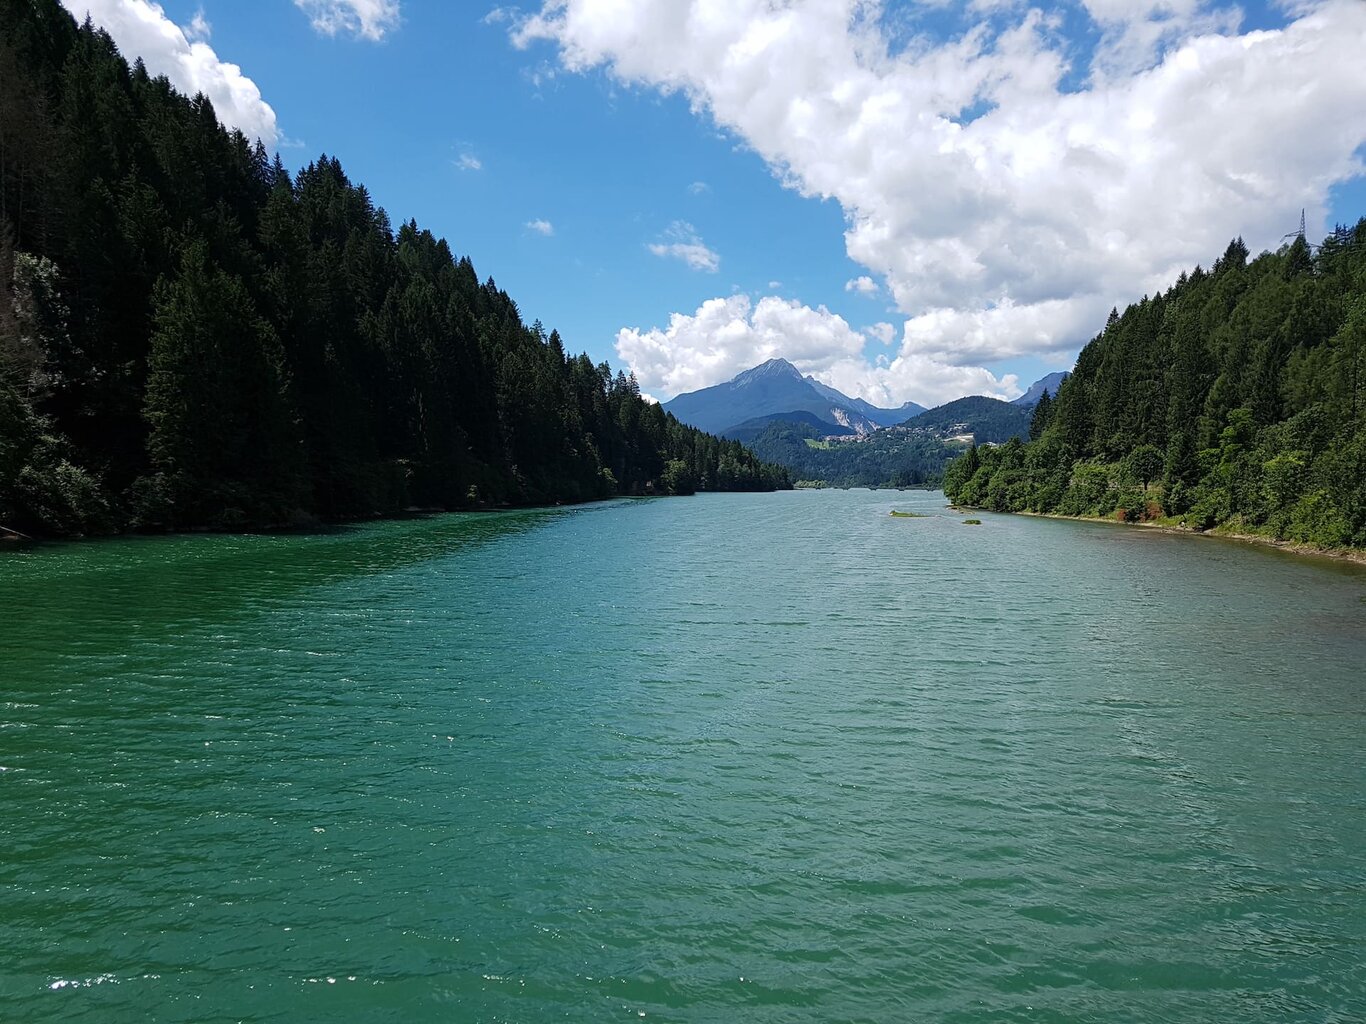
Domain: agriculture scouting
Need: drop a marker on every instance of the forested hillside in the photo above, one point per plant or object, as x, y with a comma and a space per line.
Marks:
988, 420
892, 457
911, 454
190, 336
1236, 398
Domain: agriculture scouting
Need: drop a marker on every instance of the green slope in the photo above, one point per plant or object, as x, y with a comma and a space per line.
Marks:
191, 337
1236, 399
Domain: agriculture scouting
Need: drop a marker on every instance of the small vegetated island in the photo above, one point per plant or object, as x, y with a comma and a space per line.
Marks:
1235, 400
192, 337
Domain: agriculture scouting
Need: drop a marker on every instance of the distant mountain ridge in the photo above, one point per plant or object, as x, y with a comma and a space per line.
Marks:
750, 429
986, 420
910, 454
777, 390
1051, 383
882, 417
790, 414
777, 387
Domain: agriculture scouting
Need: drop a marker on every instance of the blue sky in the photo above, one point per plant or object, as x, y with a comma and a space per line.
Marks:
556, 155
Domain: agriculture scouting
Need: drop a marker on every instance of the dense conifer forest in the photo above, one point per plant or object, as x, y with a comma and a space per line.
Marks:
912, 454
1236, 399
891, 457
190, 336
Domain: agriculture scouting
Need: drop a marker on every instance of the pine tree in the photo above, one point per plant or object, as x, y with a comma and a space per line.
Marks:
205, 341
222, 443
1043, 413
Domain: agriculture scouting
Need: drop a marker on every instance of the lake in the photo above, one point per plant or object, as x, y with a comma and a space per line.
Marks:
769, 758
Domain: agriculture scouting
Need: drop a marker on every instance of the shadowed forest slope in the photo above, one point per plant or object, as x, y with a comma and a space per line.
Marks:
192, 337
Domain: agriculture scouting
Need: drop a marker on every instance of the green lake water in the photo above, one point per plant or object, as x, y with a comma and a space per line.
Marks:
769, 758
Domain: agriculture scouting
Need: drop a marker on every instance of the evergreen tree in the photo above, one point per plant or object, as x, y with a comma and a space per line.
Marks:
1241, 392
191, 337
222, 445
1043, 413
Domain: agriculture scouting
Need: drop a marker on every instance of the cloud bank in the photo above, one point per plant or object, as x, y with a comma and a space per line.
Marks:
142, 29
725, 336
1007, 182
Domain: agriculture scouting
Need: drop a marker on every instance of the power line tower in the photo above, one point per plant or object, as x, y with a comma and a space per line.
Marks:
1296, 234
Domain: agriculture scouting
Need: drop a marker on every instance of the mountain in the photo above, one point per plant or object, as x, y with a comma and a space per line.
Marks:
772, 387
750, 429
778, 387
894, 457
987, 420
1051, 383
912, 454
882, 417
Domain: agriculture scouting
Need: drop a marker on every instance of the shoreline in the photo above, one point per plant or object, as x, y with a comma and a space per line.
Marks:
13, 538
1355, 556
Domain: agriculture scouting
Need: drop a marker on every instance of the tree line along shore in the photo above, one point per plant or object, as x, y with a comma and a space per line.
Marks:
1234, 401
192, 337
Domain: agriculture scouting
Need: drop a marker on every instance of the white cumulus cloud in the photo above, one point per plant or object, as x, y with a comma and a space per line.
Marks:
727, 335
198, 30
1135, 32
681, 242
469, 162
732, 334
912, 377
541, 227
141, 29
863, 285
367, 19
884, 333
1009, 183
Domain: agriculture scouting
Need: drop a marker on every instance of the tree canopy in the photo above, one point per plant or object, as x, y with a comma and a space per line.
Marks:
190, 336
1236, 398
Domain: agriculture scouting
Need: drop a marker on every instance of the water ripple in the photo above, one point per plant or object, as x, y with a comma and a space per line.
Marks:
773, 758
